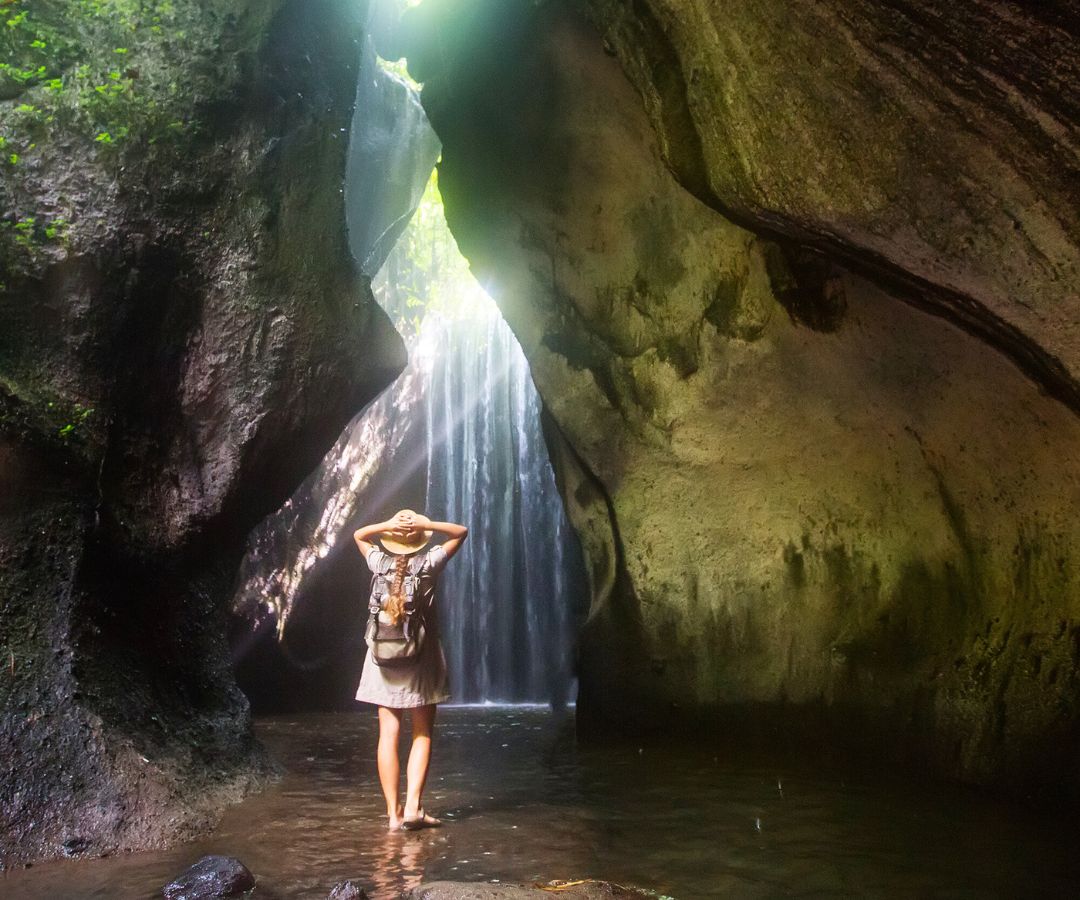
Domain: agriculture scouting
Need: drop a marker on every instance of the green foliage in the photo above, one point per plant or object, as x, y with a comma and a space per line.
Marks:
399, 69
78, 416
23, 238
32, 46
425, 271
29, 231
29, 407
100, 71
95, 68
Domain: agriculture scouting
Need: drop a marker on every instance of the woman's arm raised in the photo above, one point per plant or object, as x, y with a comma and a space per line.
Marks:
364, 532
457, 533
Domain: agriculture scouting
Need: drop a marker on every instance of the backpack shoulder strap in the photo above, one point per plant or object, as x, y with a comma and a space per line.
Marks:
384, 564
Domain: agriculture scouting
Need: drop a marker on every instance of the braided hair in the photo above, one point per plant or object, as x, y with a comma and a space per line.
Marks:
395, 600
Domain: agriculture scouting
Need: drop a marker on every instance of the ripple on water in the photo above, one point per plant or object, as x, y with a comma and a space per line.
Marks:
522, 802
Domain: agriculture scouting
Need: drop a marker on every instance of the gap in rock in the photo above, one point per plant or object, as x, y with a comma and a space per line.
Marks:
457, 435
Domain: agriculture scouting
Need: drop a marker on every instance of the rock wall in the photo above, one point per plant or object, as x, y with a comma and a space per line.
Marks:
931, 145
809, 507
301, 648
183, 334
391, 155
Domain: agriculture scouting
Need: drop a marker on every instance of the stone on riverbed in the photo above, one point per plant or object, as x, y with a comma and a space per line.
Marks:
346, 890
449, 890
211, 876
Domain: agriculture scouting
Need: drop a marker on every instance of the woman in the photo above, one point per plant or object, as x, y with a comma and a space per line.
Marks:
416, 686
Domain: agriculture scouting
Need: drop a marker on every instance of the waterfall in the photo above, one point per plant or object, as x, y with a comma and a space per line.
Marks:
473, 451
508, 624
457, 435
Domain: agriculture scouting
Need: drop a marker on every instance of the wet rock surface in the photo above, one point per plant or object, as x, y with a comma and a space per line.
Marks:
895, 136
391, 154
449, 890
808, 507
211, 876
169, 371
347, 891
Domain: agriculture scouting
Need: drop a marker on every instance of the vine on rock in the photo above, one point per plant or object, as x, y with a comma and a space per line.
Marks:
92, 80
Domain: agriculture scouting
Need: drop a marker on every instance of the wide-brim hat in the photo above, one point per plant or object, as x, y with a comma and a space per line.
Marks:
417, 541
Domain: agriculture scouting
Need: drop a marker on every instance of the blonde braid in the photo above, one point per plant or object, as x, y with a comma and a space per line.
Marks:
395, 601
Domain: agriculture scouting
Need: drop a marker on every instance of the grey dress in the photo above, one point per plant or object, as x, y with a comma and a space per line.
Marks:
426, 681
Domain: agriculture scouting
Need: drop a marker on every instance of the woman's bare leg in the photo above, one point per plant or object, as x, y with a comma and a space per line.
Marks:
389, 766
423, 723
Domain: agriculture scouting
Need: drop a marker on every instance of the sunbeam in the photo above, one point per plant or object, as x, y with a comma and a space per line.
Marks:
458, 431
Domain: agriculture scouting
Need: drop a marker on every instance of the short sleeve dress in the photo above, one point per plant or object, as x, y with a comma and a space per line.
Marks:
427, 680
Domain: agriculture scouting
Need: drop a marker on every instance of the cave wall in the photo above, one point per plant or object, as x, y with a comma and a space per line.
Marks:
932, 144
183, 334
298, 632
814, 499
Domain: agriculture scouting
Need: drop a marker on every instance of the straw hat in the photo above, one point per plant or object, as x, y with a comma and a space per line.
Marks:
405, 546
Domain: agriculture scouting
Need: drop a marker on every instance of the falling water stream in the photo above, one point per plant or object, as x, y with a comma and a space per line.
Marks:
486, 465
457, 434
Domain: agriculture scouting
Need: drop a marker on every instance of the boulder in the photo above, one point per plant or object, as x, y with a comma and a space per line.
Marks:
346, 890
211, 876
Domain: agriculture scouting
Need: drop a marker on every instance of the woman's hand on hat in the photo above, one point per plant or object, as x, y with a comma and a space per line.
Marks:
404, 522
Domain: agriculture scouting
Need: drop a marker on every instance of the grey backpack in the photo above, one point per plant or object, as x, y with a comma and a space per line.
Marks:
398, 644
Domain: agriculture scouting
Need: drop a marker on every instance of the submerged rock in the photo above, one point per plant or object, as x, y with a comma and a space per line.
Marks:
347, 891
583, 890
211, 876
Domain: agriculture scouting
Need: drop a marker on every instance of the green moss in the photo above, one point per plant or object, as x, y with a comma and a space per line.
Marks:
46, 419
101, 74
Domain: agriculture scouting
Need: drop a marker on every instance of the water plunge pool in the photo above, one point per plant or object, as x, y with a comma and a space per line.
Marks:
522, 801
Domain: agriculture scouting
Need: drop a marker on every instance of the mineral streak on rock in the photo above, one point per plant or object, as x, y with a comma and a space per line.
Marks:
167, 375
809, 509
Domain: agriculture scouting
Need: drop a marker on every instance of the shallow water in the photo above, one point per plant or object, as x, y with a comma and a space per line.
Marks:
522, 802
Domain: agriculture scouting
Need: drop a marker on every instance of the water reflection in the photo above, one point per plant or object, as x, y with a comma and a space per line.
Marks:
523, 802
397, 865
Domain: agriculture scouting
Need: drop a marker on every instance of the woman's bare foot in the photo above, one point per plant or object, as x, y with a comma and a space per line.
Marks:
420, 820
396, 819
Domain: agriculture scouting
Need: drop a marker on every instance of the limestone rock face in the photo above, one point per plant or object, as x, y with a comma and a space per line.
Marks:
802, 500
169, 371
933, 143
391, 155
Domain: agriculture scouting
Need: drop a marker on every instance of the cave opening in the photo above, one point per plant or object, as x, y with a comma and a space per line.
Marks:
458, 435
798, 287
